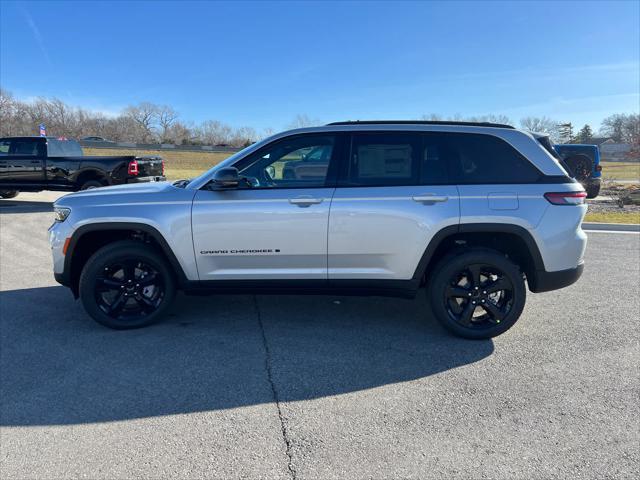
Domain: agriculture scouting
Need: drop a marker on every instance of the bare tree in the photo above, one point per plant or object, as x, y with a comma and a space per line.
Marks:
433, 117
622, 128
167, 116
243, 137
541, 125
492, 118
144, 115
214, 132
303, 120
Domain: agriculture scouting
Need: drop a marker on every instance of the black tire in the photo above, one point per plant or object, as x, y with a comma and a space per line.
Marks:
592, 190
114, 291
452, 290
9, 193
89, 184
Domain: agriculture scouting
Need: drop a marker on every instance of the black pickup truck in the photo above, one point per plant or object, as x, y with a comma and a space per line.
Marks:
32, 164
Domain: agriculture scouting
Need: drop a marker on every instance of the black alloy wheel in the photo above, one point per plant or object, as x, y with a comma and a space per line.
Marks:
476, 292
129, 290
127, 284
479, 296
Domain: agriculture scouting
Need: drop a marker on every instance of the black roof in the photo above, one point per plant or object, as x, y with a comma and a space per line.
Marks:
422, 122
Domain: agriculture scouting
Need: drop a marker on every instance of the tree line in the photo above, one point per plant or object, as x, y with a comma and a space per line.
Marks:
152, 123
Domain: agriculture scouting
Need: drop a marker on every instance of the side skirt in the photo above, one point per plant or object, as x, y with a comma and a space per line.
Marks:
382, 288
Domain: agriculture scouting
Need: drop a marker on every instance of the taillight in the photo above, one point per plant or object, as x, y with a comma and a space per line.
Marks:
566, 198
133, 167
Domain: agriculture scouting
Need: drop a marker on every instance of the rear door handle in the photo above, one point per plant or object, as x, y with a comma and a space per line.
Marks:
430, 198
305, 201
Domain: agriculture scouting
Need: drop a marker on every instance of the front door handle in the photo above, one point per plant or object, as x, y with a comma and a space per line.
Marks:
430, 198
305, 201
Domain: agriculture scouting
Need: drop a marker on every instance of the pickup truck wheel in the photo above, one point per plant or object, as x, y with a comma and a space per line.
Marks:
477, 293
9, 193
91, 184
126, 285
592, 190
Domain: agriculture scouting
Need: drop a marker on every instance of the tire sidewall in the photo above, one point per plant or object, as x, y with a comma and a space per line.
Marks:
455, 263
91, 184
113, 253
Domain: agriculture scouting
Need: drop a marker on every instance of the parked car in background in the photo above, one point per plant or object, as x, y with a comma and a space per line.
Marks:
32, 164
96, 139
584, 163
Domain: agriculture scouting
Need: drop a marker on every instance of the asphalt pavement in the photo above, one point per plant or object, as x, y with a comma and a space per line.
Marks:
316, 386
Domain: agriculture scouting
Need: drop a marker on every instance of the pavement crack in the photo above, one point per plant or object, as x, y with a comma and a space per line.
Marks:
276, 398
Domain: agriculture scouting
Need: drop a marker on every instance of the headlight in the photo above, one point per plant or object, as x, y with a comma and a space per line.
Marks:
61, 213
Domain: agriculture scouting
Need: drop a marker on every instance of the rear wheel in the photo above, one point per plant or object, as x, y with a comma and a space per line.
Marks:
9, 193
91, 184
126, 285
478, 293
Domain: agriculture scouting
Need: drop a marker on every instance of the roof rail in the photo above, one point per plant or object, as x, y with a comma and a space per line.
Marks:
422, 122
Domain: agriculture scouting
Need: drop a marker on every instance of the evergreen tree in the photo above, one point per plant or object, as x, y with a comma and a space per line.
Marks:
585, 135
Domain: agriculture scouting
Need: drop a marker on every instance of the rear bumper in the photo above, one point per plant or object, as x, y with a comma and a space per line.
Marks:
547, 281
159, 178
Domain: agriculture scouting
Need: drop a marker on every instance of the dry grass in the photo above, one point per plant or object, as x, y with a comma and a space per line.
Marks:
621, 170
177, 164
613, 217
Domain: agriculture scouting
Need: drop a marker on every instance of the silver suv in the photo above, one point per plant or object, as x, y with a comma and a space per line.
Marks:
467, 210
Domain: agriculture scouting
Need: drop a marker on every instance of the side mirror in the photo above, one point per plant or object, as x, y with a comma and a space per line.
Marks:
227, 177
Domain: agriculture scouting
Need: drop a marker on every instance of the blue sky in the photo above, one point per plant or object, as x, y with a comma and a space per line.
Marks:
260, 64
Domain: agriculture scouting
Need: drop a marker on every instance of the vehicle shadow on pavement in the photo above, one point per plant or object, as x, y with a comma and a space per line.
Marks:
58, 367
9, 206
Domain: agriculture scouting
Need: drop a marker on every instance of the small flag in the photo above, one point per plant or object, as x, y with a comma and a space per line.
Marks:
43, 130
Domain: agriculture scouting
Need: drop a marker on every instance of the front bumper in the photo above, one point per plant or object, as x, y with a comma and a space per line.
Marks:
546, 281
159, 178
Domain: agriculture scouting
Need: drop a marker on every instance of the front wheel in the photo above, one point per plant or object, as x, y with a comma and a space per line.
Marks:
477, 294
126, 285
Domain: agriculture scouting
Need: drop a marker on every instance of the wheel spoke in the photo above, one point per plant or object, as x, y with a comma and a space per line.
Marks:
495, 313
457, 291
116, 306
149, 279
467, 314
500, 284
474, 278
109, 284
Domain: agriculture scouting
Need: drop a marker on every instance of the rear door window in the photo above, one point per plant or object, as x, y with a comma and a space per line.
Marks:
28, 148
383, 159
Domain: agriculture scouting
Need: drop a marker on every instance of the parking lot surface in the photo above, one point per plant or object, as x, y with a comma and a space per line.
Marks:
316, 386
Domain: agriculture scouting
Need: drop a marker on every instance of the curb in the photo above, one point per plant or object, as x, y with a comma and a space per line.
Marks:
616, 227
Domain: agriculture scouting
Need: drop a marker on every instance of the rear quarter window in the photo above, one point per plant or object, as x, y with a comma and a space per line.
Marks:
486, 159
